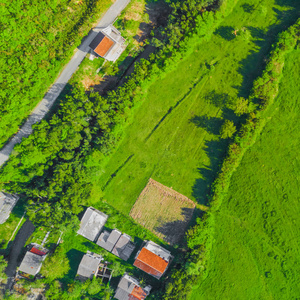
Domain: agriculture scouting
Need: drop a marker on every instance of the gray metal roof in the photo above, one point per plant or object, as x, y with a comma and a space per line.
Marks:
158, 250
31, 263
108, 240
124, 247
92, 223
7, 203
121, 294
88, 267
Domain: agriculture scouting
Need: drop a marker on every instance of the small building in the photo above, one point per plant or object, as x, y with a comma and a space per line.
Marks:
32, 261
153, 259
92, 223
108, 43
129, 289
117, 243
89, 266
108, 240
124, 247
7, 203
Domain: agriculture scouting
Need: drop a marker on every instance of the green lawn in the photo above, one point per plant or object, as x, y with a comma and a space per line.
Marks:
257, 248
174, 135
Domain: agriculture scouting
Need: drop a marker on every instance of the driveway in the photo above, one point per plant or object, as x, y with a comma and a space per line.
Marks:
43, 107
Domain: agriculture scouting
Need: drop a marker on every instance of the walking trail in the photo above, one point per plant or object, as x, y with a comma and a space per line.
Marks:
44, 106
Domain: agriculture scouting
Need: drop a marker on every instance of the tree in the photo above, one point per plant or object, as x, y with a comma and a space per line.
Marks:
227, 130
56, 265
3, 265
241, 106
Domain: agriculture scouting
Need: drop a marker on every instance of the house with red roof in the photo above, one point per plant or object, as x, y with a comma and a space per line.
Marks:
108, 43
153, 259
129, 288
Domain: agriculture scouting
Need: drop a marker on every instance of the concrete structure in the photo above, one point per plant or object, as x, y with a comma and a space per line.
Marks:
108, 240
108, 43
92, 223
32, 261
129, 289
124, 247
89, 266
117, 243
153, 259
7, 203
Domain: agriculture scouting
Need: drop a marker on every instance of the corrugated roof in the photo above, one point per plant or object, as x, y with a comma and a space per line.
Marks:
108, 240
37, 251
138, 293
104, 46
123, 247
151, 263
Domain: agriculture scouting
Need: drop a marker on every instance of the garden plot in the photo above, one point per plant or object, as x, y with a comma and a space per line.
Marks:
163, 211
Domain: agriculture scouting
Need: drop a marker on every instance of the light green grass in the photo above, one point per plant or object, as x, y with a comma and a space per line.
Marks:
186, 109
257, 248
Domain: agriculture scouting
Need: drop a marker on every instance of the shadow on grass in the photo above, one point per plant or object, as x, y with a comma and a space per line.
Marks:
74, 257
216, 151
174, 231
210, 124
253, 65
225, 32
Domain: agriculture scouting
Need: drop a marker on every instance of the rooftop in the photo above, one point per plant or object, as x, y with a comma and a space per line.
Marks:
92, 223
108, 240
124, 247
129, 289
153, 259
89, 265
31, 263
7, 203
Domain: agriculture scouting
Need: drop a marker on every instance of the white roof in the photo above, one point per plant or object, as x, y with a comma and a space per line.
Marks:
158, 250
7, 203
92, 223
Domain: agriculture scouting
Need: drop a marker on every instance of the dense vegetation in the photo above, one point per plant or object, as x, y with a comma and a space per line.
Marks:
36, 42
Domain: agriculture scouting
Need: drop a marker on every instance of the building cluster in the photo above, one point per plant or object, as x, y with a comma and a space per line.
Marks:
151, 258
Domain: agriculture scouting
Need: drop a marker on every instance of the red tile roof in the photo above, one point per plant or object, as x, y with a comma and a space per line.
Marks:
37, 251
150, 263
104, 46
137, 294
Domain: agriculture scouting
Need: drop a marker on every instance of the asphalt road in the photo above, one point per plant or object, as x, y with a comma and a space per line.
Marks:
43, 107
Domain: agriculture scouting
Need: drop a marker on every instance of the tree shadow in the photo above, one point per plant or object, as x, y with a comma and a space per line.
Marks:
248, 8
210, 124
253, 65
174, 231
225, 32
216, 151
74, 257
218, 99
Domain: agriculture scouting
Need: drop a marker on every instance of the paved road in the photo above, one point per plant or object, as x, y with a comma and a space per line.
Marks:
43, 107
19, 242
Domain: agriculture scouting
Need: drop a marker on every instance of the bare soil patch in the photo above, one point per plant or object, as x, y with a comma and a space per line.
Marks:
163, 211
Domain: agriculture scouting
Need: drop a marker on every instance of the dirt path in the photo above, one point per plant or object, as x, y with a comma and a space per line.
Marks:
19, 242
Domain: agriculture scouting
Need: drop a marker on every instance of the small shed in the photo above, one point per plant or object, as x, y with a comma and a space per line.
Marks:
32, 261
108, 43
7, 203
129, 289
89, 266
153, 259
124, 247
108, 240
92, 223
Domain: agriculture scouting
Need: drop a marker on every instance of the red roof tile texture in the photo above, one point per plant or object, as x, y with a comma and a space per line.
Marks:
150, 263
37, 251
104, 46
137, 294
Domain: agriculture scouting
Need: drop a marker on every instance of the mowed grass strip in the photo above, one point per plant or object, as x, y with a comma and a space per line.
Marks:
257, 246
163, 211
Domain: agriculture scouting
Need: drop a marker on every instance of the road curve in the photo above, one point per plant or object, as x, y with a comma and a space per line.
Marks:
43, 107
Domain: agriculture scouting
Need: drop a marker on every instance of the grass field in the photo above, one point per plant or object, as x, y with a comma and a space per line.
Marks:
257, 248
174, 137
163, 211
